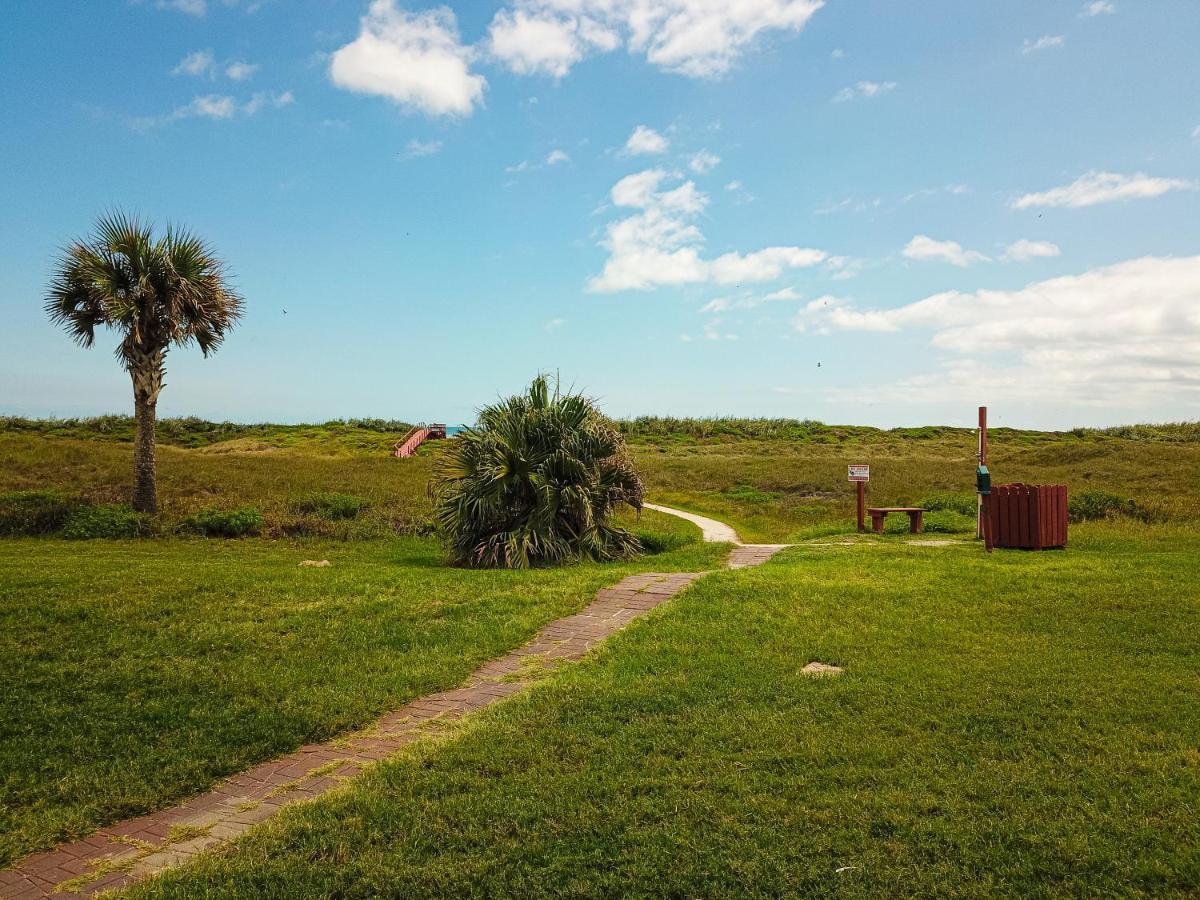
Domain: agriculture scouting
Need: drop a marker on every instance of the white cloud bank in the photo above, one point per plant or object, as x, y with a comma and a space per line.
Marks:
1102, 187
418, 60
699, 38
414, 59
1127, 333
660, 244
1098, 8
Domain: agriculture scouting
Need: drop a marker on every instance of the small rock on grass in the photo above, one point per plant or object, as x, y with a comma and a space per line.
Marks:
821, 670
314, 563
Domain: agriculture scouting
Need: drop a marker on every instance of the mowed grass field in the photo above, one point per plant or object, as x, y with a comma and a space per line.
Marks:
1015, 724
135, 673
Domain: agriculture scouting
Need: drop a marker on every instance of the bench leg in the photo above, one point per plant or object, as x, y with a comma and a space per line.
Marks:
916, 522
877, 522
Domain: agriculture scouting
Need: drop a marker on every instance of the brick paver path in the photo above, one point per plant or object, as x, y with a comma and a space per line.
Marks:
135, 849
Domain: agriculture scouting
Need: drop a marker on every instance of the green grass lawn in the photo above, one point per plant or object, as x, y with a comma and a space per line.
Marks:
1020, 724
134, 673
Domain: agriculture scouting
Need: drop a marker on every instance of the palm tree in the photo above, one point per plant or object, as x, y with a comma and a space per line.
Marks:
159, 293
535, 482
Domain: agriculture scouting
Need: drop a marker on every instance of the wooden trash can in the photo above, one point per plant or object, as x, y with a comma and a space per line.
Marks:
1029, 516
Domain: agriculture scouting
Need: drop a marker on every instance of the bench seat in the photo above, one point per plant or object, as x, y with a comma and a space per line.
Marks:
916, 517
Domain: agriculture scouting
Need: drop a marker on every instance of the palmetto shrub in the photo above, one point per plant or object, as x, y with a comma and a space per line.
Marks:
535, 483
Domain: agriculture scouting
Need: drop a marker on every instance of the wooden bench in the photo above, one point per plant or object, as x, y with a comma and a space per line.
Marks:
916, 517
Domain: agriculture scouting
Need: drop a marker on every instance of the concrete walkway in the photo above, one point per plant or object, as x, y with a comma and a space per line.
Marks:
714, 531
130, 851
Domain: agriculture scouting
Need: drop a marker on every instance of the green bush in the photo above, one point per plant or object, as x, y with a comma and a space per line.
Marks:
655, 542
963, 503
948, 521
536, 482
938, 521
332, 505
226, 522
33, 512
1093, 504
105, 521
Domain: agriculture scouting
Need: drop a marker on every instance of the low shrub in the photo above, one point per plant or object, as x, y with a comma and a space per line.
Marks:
332, 505
1086, 506
33, 512
655, 542
748, 493
948, 521
963, 503
105, 521
225, 522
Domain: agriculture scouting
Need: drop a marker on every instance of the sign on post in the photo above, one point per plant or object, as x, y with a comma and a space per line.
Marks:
860, 475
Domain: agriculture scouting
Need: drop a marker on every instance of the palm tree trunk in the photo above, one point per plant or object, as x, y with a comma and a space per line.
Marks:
145, 484
146, 370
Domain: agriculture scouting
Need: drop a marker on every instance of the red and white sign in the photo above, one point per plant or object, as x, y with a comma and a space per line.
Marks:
859, 473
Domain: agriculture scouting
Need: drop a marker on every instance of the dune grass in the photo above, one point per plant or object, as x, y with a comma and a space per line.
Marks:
134, 673
1020, 724
774, 480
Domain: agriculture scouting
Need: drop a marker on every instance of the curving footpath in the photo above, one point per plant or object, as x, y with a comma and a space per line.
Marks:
130, 851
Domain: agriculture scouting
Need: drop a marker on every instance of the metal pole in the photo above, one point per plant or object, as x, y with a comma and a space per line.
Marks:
862, 506
982, 455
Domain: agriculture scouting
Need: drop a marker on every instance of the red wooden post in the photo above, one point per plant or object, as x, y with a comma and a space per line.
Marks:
862, 506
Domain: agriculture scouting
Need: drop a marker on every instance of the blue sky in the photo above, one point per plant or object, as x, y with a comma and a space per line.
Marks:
865, 212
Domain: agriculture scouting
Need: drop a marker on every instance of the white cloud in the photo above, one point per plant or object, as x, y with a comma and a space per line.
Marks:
415, 149
786, 293
218, 107
838, 53
1025, 250
864, 90
660, 244
749, 300
952, 189
1098, 8
191, 7
240, 71
262, 99
1115, 335
198, 63
533, 42
734, 185
699, 38
922, 247
645, 141
557, 156
1196, 133
555, 324
1045, 42
210, 106
1102, 187
703, 162
414, 59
